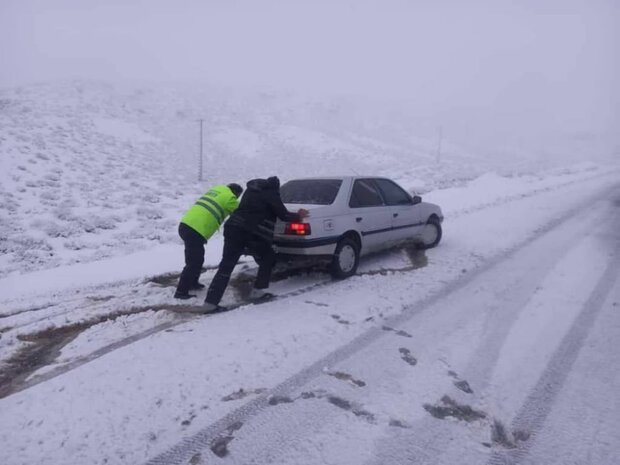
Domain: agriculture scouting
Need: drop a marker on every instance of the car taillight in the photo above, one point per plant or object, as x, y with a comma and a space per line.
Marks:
297, 229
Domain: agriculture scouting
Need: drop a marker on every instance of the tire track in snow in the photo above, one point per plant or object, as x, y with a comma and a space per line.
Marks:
540, 401
525, 195
208, 436
76, 363
514, 293
185, 314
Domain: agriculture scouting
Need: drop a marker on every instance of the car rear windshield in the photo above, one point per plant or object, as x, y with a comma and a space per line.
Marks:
310, 191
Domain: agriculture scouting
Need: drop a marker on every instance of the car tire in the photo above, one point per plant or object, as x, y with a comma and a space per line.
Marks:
431, 234
346, 259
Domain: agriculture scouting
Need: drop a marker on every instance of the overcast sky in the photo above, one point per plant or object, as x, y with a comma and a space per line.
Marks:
527, 62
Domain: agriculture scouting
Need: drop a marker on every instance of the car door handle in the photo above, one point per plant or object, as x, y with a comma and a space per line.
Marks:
394, 215
358, 219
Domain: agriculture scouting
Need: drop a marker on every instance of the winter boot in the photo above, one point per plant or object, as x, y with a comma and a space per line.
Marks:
183, 295
260, 294
208, 307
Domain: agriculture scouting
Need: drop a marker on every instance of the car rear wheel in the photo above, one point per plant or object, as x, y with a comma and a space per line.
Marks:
346, 258
431, 233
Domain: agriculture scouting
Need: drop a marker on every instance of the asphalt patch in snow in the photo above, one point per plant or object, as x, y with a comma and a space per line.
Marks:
398, 424
351, 407
340, 320
102, 298
318, 304
189, 420
464, 386
461, 383
43, 347
219, 446
276, 400
241, 393
500, 436
347, 377
399, 332
405, 354
339, 402
165, 280
448, 407
4, 330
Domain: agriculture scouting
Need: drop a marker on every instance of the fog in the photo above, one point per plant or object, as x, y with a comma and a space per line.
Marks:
524, 72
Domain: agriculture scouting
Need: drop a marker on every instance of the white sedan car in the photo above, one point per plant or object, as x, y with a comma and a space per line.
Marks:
351, 216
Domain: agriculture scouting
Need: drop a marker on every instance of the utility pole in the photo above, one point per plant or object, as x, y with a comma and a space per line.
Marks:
439, 144
200, 160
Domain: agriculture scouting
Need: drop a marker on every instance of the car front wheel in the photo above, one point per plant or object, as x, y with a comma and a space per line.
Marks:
346, 258
431, 234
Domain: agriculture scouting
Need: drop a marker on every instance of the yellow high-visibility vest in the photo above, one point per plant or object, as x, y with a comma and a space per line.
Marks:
210, 210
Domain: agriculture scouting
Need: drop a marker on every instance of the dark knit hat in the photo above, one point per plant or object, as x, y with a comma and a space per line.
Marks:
273, 182
235, 188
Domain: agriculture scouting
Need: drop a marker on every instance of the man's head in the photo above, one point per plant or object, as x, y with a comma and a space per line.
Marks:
235, 188
273, 182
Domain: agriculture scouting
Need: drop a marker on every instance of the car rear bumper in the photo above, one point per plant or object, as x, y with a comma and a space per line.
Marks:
305, 246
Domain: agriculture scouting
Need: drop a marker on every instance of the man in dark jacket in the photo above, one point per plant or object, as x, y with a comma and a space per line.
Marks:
250, 230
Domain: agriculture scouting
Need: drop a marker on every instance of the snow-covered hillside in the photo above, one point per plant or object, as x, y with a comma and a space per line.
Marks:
91, 170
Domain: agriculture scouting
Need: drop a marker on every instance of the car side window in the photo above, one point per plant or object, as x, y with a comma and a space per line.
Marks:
393, 193
365, 194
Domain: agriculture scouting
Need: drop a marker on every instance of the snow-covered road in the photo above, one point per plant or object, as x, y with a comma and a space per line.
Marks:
492, 371
483, 351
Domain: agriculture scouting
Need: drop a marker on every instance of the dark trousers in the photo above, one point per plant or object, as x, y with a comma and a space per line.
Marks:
237, 242
194, 258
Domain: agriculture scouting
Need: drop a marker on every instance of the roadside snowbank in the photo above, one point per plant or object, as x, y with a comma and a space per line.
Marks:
485, 190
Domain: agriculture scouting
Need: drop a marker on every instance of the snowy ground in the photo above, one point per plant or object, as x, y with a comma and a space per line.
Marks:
484, 349
131, 387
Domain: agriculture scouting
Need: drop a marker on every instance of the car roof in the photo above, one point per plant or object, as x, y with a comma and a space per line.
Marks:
348, 176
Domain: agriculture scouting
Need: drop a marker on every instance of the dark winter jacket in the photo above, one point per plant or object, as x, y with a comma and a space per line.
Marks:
259, 207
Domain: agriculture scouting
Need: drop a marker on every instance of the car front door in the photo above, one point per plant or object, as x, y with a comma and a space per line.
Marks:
405, 216
372, 217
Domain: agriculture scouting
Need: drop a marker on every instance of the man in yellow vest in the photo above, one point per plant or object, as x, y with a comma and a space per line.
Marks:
200, 222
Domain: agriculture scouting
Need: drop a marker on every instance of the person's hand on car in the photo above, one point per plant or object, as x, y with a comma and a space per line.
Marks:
303, 213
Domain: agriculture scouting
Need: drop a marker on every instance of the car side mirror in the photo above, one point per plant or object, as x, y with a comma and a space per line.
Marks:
416, 199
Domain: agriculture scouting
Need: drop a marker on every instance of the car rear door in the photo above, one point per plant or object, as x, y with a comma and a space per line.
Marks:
405, 216
372, 217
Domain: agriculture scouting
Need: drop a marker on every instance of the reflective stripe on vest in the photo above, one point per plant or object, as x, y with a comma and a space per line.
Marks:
217, 217
217, 206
